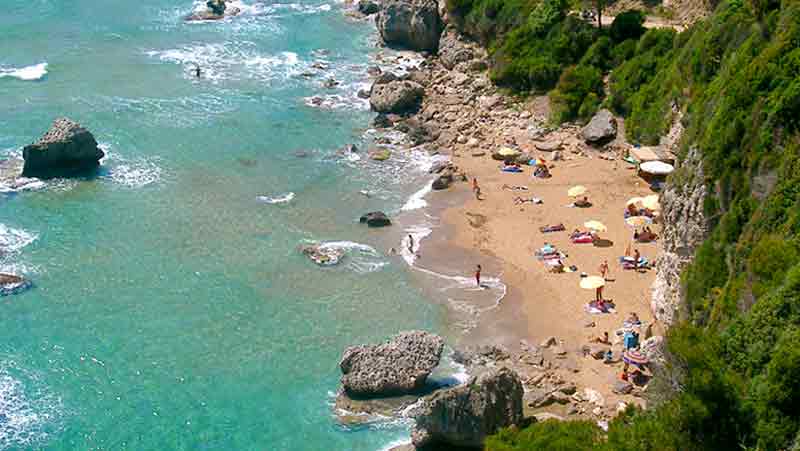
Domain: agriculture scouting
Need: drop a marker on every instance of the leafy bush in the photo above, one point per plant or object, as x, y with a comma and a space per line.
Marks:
549, 435
577, 93
627, 25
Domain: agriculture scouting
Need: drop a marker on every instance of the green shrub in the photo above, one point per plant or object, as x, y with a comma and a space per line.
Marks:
627, 25
577, 93
599, 54
549, 435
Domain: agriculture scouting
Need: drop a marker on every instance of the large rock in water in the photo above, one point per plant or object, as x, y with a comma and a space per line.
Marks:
375, 219
216, 10
411, 24
602, 128
65, 149
465, 415
400, 366
12, 284
397, 97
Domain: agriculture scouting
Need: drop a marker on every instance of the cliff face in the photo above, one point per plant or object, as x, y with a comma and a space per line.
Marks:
684, 229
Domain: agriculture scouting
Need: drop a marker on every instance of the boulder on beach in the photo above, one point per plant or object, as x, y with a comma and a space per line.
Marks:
67, 148
375, 219
398, 97
411, 24
452, 50
601, 129
442, 182
400, 366
465, 415
380, 154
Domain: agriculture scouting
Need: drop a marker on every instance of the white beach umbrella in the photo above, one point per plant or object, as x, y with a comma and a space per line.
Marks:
576, 191
656, 168
592, 282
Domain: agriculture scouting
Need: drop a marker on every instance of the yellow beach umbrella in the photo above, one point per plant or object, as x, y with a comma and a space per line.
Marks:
576, 191
596, 226
651, 202
638, 221
508, 152
592, 282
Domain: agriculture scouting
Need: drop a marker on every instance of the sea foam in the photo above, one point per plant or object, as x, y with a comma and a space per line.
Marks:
27, 73
28, 413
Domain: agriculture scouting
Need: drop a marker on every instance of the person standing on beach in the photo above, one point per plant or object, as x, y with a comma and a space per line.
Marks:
475, 188
599, 295
604, 269
478, 276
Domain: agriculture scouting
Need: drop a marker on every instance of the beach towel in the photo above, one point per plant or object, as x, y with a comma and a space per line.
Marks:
582, 239
552, 228
592, 308
511, 169
628, 263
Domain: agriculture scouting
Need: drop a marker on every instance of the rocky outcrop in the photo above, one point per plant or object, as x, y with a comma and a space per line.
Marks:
601, 129
685, 228
215, 10
399, 366
465, 415
411, 24
453, 51
375, 219
368, 7
67, 148
397, 97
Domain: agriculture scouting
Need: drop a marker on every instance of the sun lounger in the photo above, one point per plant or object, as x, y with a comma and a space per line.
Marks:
552, 228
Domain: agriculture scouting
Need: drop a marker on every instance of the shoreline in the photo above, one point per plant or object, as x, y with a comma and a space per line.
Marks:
502, 237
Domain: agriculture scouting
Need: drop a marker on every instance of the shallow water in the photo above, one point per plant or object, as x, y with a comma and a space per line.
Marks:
171, 308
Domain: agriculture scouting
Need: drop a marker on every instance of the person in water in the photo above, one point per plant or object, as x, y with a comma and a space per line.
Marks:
410, 243
197, 70
478, 276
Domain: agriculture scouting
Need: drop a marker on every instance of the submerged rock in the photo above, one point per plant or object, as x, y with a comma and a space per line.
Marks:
465, 415
375, 219
602, 128
216, 10
411, 24
12, 284
67, 148
397, 367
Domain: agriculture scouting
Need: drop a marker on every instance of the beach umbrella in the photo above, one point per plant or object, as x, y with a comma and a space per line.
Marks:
637, 201
656, 168
508, 152
651, 202
634, 357
576, 191
592, 282
638, 221
596, 226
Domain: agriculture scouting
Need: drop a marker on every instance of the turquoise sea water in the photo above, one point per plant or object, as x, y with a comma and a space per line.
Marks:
171, 309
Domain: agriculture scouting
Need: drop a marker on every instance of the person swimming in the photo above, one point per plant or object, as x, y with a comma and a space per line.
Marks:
197, 70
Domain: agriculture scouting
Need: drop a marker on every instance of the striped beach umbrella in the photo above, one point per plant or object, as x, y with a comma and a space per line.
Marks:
634, 357
638, 221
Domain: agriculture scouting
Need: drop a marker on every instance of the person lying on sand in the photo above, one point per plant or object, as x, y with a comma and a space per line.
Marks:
521, 200
602, 340
514, 188
553, 228
582, 203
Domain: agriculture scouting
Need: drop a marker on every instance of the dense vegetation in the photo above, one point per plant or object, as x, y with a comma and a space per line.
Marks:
734, 377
